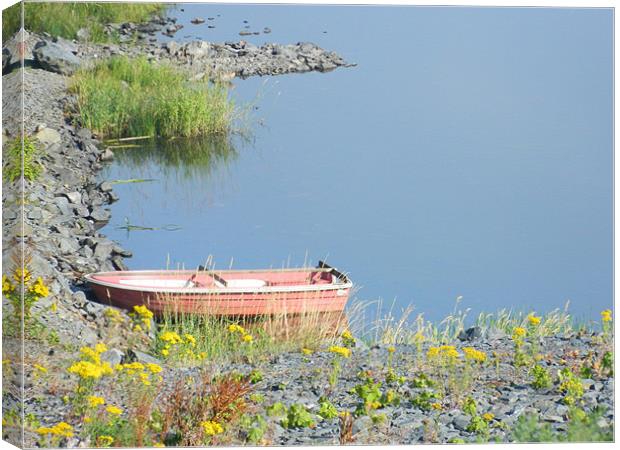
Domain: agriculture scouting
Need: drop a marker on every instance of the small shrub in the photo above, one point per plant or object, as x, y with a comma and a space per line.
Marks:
542, 377
13, 159
276, 410
253, 428
570, 385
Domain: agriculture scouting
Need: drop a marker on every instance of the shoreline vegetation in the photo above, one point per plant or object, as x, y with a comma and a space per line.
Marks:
66, 19
126, 97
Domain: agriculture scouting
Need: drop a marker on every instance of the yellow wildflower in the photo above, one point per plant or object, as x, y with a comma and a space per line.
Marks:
436, 405
53, 307
606, 315
40, 368
488, 416
61, 429
137, 328
234, 328
533, 320
247, 338
342, 351
144, 377
21, 275
104, 441
518, 332
190, 339
87, 419
211, 428
143, 311
306, 351
114, 315
87, 369
165, 352
100, 348
391, 349
7, 286
346, 335
159, 444
114, 410
39, 288
94, 401
171, 337
154, 368
474, 355
432, 352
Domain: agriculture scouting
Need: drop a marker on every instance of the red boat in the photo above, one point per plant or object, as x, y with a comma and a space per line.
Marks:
227, 292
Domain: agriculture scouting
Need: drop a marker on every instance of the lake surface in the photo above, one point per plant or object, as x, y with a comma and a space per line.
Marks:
468, 154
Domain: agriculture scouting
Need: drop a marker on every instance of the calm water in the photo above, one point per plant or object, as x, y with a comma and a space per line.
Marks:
468, 154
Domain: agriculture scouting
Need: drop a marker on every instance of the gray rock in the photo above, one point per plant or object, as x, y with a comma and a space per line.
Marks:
100, 214
470, 334
144, 358
48, 136
105, 186
56, 57
67, 245
79, 299
74, 197
103, 250
107, 155
461, 421
113, 356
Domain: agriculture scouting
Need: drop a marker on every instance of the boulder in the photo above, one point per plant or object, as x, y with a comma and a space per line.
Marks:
56, 57
48, 136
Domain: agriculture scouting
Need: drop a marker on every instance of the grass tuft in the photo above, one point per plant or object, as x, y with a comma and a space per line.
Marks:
133, 97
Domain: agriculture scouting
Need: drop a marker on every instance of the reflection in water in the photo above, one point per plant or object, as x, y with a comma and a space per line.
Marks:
186, 157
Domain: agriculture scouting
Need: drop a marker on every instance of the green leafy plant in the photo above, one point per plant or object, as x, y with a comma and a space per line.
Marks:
570, 385
276, 410
253, 427
13, 159
327, 409
425, 399
255, 376
542, 377
297, 416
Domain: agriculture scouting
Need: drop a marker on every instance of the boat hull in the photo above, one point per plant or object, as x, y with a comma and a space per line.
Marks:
281, 292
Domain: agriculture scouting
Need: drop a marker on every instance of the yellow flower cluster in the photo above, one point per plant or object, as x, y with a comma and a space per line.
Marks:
183, 346
114, 315
61, 429
444, 352
342, 351
7, 286
94, 401
171, 337
518, 333
91, 366
306, 351
245, 336
391, 349
142, 315
472, 354
104, 440
145, 372
533, 320
114, 410
436, 406
606, 315
211, 428
39, 288
346, 335
22, 275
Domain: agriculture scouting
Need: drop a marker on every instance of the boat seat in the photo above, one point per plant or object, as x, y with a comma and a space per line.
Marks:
246, 283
